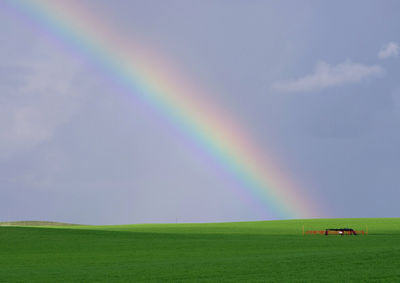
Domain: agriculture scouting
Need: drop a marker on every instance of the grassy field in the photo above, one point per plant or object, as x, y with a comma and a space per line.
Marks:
245, 251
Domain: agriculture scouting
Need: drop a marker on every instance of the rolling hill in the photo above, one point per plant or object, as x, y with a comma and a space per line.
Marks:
242, 251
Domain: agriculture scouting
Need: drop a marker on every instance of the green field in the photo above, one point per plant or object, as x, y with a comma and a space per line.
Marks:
244, 251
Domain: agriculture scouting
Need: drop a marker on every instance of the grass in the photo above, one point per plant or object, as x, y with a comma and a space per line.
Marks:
244, 251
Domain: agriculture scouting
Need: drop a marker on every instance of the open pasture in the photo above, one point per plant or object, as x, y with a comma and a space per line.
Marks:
243, 251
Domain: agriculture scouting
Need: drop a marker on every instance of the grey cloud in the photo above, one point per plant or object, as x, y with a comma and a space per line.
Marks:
31, 108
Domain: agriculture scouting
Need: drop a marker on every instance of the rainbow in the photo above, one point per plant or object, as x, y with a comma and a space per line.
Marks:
154, 82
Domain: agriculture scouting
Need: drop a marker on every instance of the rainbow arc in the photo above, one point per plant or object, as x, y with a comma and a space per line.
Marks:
148, 78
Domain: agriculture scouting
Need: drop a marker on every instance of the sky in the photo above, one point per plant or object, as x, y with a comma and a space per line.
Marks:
315, 83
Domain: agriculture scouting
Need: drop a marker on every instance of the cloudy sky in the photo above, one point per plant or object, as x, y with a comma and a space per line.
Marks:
316, 83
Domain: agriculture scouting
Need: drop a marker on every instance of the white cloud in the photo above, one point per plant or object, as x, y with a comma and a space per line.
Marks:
389, 50
325, 76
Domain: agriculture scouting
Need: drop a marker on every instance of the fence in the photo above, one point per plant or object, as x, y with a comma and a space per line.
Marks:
336, 232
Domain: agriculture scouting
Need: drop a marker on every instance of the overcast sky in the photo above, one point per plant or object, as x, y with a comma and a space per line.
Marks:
316, 83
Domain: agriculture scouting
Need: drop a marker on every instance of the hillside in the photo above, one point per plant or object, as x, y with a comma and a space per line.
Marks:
244, 251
